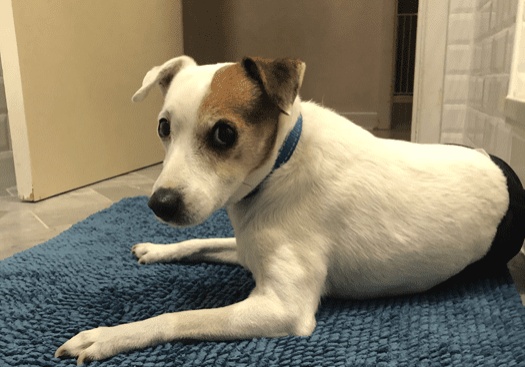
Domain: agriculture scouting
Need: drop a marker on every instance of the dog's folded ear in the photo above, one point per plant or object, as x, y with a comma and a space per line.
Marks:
162, 76
280, 79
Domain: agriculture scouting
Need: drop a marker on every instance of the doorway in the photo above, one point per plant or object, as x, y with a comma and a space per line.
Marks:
406, 23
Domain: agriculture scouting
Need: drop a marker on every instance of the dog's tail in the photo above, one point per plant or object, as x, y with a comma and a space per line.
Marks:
511, 230
510, 235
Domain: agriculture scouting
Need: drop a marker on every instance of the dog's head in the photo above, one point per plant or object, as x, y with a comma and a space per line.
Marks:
219, 125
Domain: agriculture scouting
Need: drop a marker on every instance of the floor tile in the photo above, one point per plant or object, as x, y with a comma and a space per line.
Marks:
517, 271
15, 242
19, 230
152, 172
12, 203
147, 188
118, 193
12, 191
71, 207
130, 185
19, 221
7, 172
133, 179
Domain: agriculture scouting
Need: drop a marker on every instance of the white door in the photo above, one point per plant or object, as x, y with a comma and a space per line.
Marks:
70, 69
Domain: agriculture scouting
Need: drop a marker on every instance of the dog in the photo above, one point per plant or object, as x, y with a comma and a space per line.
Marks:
318, 205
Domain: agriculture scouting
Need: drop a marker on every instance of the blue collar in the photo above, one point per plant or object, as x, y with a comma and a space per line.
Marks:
285, 152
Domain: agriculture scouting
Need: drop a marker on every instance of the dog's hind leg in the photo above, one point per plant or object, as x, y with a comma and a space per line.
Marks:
222, 250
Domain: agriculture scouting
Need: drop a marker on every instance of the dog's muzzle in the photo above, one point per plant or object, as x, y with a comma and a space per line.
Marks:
168, 205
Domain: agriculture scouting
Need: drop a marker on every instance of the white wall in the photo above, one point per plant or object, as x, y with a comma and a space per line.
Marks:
480, 39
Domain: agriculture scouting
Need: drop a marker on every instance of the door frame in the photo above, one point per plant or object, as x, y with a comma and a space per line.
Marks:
429, 70
387, 65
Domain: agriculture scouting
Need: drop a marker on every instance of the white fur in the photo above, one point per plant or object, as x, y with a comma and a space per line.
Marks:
348, 215
202, 191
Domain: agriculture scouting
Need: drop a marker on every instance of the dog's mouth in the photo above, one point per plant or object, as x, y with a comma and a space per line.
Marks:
178, 224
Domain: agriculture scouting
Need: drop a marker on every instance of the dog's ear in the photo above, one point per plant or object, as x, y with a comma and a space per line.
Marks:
280, 79
162, 76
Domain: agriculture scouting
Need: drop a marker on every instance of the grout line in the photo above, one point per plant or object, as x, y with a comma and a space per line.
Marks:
13, 191
40, 220
99, 194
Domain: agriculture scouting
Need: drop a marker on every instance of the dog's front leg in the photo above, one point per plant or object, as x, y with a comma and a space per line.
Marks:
222, 250
262, 314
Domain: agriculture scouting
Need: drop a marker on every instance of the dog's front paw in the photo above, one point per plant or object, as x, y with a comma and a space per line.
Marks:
148, 253
104, 342
90, 345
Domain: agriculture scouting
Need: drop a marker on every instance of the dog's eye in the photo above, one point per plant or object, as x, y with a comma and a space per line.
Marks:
164, 128
224, 135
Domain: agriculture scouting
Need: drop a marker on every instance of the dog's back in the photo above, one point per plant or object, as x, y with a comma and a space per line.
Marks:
396, 217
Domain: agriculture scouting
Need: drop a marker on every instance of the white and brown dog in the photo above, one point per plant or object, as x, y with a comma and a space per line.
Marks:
319, 206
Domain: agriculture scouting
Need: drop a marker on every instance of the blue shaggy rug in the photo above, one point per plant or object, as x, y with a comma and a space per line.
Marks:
86, 277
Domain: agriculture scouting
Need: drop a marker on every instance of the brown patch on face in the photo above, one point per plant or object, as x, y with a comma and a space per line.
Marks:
237, 100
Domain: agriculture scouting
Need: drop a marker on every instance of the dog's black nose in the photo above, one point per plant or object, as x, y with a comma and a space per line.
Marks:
168, 205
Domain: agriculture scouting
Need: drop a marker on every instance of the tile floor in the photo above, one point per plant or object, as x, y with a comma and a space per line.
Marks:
23, 225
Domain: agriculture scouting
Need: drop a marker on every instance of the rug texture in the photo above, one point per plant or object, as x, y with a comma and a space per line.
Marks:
86, 277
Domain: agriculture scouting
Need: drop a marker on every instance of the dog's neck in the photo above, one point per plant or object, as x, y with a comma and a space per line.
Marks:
251, 184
